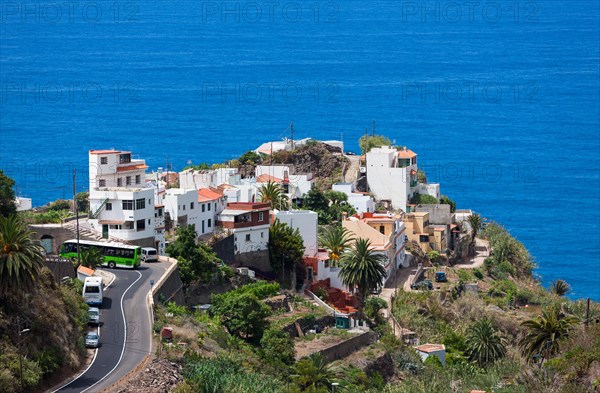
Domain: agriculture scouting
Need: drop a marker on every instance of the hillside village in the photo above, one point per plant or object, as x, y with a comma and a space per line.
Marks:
351, 267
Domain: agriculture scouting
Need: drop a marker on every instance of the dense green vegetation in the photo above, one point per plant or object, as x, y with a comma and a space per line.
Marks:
367, 142
7, 196
329, 205
286, 249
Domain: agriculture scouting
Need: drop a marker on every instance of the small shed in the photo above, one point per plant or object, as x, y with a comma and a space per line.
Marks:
84, 272
427, 350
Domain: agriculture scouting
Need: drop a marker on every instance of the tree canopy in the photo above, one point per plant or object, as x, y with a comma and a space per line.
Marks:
242, 314
7, 195
423, 199
286, 249
367, 142
196, 261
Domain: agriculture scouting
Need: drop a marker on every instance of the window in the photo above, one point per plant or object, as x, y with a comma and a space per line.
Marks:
203, 207
141, 225
262, 235
149, 222
192, 205
138, 179
247, 237
102, 183
119, 182
182, 207
124, 158
128, 181
261, 216
423, 238
209, 222
140, 204
215, 206
129, 225
209, 206
127, 205
382, 229
103, 160
108, 206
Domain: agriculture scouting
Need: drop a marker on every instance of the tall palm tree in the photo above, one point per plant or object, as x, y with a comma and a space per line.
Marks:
362, 269
560, 287
313, 374
273, 194
336, 239
476, 223
484, 343
21, 258
546, 332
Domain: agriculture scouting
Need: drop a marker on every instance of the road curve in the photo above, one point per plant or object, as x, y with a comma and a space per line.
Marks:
125, 330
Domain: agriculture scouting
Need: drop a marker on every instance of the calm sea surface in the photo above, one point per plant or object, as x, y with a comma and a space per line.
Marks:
500, 99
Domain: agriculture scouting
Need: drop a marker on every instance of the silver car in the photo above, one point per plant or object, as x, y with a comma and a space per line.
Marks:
94, 316
92, 340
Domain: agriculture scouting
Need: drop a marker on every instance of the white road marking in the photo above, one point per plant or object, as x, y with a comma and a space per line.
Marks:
96, 351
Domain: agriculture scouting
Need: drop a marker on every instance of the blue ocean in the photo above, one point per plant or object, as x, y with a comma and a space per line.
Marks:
500, 99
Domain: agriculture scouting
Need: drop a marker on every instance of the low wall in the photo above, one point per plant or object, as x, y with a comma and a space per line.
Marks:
60, 268
224, 249
169, 287
349, 346
254, 259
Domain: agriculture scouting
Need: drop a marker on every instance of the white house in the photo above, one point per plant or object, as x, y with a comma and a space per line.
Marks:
121, 204
211, 204
294, 185
427, 350
249, 223
23, 203
182, 207
361, 202
392, 176
306, 222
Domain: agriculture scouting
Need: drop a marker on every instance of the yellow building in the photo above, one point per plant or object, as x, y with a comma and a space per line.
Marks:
429, 237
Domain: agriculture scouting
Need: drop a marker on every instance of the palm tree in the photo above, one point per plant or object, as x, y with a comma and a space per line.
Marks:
273, 194
336, 239
484, 344
313, 374
21, 258
362, 269
560, 287
546, 332
91, 257
476, 223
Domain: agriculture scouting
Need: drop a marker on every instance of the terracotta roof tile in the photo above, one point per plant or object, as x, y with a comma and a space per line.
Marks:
265, 178
206, 194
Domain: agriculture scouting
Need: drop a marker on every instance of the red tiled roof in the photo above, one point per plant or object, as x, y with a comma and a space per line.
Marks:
265, 178
431, 348
406, 153
85, 270
133, 167
206, 194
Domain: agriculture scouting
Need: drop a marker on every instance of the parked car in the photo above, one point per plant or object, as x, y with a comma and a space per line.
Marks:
149, 254
425, 284
94, 316
92, 340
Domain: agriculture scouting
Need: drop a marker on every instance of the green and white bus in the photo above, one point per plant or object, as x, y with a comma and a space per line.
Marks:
115, 254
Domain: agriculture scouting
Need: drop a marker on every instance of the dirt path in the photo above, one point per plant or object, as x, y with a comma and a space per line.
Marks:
482, 248
351, 172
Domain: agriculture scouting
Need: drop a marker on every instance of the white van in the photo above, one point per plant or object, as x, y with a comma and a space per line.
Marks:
149, 254
92, 291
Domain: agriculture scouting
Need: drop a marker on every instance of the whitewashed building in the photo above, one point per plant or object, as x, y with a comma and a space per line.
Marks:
122, 206
361, 202
392, 176
249, 223
306, 222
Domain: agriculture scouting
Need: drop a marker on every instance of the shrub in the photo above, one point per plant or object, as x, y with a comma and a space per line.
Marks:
277, 348
260, 289
243, 314
176, 310
321, 293
478, 274
464, 276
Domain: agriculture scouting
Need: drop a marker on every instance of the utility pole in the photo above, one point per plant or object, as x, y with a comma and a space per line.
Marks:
76, 214
292, 134
373, 128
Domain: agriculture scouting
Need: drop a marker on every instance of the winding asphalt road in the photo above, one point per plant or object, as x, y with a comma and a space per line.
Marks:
125, 330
